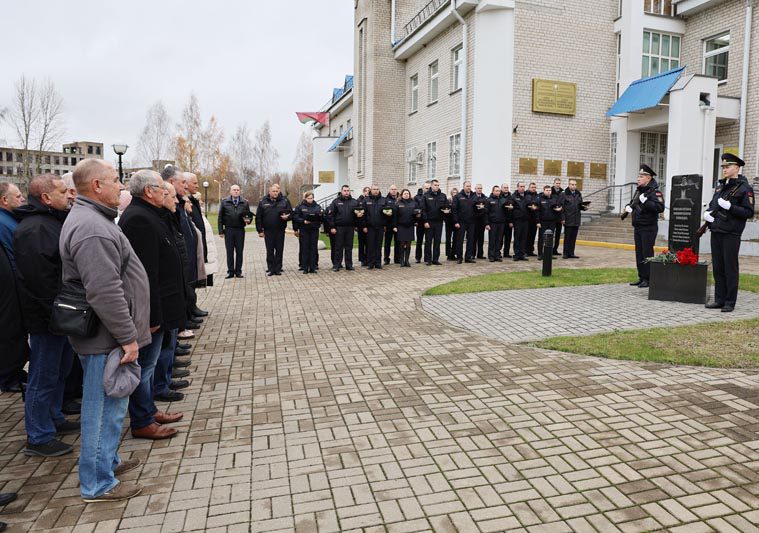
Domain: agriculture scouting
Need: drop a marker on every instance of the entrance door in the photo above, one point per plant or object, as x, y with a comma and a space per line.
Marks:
653, 152
716, 174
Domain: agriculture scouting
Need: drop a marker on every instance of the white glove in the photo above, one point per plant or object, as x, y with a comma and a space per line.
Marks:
628, 209
643, 198
724, 204
708, 216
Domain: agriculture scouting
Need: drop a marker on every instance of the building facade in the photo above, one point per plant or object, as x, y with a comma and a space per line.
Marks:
500, 91
13, 169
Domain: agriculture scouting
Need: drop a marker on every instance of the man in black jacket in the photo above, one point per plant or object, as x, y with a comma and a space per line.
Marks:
274, 210
464, 222
234, 215
433, 203
646, 205
390, 236
508, 228
480, 220
374, 222
532, 221
38, 268
420, 225
571, 217
520, 214
496, 223
549, 216
155, 247
342, 219
361, 234
730, 208
556, 191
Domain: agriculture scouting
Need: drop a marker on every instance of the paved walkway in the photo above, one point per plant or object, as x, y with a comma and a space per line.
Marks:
334, 403
532, 314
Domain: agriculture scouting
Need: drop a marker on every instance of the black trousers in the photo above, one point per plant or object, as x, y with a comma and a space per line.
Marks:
74, 381
432, 237
309, 248
556, 238
361, 247
725, 248
451, 234
532, 231
466, 231
275, 243
495, 238
545, 226
645, 237
234, 241
520, 238
479, 238
392, 238
419, 241
15, 354
570, 238
507, 232
343, 246
332, 249
374, 246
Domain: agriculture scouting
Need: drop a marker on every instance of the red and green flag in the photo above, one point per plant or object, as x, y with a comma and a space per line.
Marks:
320, 118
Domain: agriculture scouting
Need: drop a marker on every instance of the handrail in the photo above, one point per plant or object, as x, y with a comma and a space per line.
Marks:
324, 202
432, 7
611, 187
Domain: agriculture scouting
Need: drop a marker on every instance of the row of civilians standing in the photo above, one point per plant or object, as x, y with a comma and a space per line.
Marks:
396, 220
139, 273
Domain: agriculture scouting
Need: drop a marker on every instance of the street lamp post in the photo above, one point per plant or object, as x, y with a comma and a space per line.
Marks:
120, 150
205, 189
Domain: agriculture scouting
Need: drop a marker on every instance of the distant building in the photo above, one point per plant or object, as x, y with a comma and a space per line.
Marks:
12, 166
158, 165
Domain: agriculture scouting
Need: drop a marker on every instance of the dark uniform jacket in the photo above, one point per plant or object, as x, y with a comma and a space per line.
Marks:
373, 215
497, 209
156, 246
463, 208
532, 199
307, 212
404, 213
481, 208
38, 261
432, 203
231, 216
571, 202
197, 218
741, 197
269, 213
340, 212
647, 214
548, 209
520, 203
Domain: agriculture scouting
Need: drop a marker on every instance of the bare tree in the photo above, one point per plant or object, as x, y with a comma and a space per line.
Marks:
187, 144
50, 124
304, 159
211, 141
24, 117
155, 139
265, 157
241, 154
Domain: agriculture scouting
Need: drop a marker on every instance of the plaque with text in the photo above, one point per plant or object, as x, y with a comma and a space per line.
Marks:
552, 167
326, 176
528, 165
579, 183
552, 96
575, 169
685, 212
598, 171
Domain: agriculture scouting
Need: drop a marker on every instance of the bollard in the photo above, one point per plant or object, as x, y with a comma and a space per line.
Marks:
547, 252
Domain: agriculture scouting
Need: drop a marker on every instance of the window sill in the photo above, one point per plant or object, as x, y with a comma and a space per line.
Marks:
413, 112
457, 176
455, 91
720, 83
432, 103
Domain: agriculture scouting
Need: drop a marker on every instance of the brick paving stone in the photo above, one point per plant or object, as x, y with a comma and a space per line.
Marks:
340, 402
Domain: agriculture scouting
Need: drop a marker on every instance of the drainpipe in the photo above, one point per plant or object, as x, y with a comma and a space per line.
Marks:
464, 76
744, 80
392, 23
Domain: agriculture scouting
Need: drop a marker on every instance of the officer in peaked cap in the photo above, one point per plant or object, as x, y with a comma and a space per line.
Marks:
647, 203
730, 208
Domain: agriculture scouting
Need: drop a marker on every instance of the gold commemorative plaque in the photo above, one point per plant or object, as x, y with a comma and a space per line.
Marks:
552, 167
552, 96
326, 176
575, 169
528, 165
598, 171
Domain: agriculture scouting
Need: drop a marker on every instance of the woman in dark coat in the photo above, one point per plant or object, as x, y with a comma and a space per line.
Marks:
14, 349
407, 214
307, 218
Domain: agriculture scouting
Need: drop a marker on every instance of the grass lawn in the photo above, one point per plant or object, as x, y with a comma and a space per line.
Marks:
325, 239
720, 345
562, 277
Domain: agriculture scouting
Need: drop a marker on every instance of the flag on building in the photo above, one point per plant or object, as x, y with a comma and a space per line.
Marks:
320, 118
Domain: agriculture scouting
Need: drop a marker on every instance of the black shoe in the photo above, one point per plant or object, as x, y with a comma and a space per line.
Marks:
195, 320
171, 396
229, 276
530, 254
54, 448
574, 257
182, 363
428, 263
177, 384
499, 260
714, 305
643, 285
349, 268
199, 312
480, 257
370, 267
239, 276
67, 428
470, 261
565, 257
540, 258
335, 269
507, 255
378, 267
438, 263
182, 351
278, 273
270, 274
7, 498
184, 345
418, 260
16, 387
636, 283
459, 261
71, 407
728, 309
191, 325
387, 260
180, 373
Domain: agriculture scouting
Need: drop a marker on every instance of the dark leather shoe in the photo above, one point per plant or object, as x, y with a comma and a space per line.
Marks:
438, 263
171, 396
714, 305
335, 269
182, 363
179, 384
16, 387
459, 261
71, 407
349, 268
229, 276
635, 283
154, 431
7, 498
184, 345
191, 325
180, 373
239, 276
270, 274
195, 320
167, 418
728, 309
643, 285
182, 351
199, 312
470, 261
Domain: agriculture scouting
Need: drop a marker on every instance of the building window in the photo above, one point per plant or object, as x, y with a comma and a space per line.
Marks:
715, 56
653, 152
433, 87
97, 150
57, 160
414, 93
658, 7
431, 160
619, 62
89, 149
454, 160
661, 53
9, 156
412, 166
457, 64
65, 160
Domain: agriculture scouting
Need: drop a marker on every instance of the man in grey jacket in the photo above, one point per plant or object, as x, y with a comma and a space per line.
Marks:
96, 252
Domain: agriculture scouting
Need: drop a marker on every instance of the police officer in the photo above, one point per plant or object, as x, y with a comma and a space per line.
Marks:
406, 213
274, 210
532, 221
730, 208
571, 217
361, 234
480, 220
520, 219
556, 191
342, 217
451, 233
373, 226
496, 223
464, 222
420, 225
549, 216
390, 236
433, 202
508, 228
307, 217
645, 207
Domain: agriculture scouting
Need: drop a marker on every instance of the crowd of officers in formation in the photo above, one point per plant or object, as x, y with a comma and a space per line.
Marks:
398, 220
140, 257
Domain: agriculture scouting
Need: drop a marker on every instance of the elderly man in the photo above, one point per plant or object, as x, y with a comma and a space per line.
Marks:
96, 253
154, 245
274, 210
234, 215
38, 269
10, 199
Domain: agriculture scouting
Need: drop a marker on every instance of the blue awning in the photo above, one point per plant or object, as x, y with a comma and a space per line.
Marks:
340, 139
645, 93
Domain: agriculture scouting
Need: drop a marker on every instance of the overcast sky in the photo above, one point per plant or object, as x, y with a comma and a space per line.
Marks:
247, 61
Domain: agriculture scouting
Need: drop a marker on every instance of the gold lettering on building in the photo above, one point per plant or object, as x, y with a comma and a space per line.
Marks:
551, 96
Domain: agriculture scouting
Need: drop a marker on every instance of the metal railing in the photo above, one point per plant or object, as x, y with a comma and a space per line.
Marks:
432, 7
617, 196
325, 202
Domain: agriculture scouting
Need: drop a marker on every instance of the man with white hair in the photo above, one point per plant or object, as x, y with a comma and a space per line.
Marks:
97, 254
